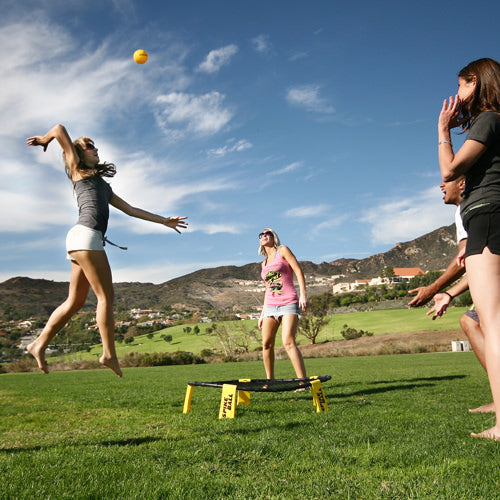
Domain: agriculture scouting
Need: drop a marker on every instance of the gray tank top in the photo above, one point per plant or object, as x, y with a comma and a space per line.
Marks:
93, 195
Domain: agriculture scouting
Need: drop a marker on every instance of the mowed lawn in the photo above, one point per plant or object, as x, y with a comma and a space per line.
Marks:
397, 428
378, 322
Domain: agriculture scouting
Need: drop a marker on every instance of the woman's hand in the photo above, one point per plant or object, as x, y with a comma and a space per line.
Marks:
302, 303
38, 140
175, 223
450, 114
259, 323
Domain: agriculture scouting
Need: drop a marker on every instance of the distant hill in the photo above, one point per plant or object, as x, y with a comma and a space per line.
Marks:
223, 287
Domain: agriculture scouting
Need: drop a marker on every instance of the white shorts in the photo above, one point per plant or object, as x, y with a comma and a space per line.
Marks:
83, 238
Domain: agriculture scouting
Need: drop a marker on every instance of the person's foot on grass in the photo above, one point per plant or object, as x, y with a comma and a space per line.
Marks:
493, 434
303, 387
111, 363
39, 354
488, 408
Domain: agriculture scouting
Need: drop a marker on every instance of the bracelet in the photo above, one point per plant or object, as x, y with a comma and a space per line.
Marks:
444, 142
449, 295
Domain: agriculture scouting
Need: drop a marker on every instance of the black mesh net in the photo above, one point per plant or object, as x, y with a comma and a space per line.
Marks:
266, 385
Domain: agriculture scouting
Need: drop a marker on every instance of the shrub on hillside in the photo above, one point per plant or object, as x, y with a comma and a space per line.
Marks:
162, 359
350, 333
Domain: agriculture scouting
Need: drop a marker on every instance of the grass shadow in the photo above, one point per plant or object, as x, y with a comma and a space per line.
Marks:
392, 385
114, 442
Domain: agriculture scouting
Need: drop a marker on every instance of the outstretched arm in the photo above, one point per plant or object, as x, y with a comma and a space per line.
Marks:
442, 300
59, 133
425, 293
287, 254
175, 223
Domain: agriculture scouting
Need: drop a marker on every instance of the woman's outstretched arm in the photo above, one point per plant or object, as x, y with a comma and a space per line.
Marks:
59, 133
175, 223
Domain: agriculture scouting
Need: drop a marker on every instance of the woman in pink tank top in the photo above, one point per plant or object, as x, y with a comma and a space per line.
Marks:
281, 302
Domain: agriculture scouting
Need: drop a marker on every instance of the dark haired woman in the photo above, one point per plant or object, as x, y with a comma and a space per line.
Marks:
476, 108
281, 303
85, 242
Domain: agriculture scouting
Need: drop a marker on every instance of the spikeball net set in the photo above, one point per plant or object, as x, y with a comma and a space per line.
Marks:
235, 392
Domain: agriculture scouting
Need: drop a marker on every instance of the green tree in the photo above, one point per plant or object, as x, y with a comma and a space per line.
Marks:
387, 272
311, 324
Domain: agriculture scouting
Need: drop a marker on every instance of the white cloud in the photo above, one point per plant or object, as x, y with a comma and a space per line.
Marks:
231, 147
48, 77
307, 211
204, 114
217, 58
298, 55
32, 213
403, 220
308, 97
288, 168
330, 223
211, 228
34, 197
261, 43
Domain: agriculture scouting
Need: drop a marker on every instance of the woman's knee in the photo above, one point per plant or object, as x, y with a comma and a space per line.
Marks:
289, 344
105, 295
267, 345
76, 301
79, 302
106, 301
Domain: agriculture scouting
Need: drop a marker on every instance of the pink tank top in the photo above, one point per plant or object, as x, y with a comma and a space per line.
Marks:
278, 276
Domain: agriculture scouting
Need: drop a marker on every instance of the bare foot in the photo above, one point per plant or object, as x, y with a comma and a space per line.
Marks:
493, 433
111, 363
488, 408
39, 355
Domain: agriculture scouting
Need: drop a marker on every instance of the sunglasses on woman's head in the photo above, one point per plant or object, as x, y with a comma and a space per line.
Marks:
265, 233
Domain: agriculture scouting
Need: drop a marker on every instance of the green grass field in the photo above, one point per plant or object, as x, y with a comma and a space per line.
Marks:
397, 428
378, 322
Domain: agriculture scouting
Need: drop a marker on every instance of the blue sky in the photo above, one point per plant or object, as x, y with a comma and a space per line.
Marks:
315, 118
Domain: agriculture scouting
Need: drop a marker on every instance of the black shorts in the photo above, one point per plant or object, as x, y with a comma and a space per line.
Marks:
483, 230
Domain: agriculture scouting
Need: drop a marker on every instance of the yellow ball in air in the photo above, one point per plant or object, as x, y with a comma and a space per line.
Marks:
140, 56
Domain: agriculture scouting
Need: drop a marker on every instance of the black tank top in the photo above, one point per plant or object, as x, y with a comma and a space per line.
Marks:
93, 195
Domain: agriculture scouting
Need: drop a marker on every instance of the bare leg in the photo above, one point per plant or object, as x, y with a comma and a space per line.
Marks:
269, 329
288, 332
476, 337
95, 265
77, 295
484, 281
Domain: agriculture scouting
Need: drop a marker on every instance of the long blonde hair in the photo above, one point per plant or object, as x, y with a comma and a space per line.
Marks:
262, 249
103, 169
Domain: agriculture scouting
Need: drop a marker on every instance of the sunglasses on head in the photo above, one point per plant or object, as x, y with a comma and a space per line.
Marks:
265, 233
89, 145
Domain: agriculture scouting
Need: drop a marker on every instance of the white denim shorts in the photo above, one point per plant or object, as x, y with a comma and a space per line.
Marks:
277, 311
83, 238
